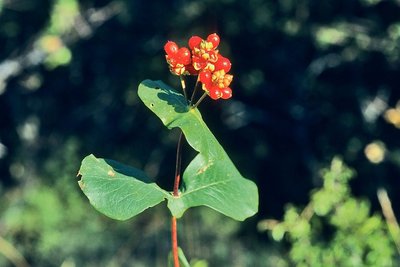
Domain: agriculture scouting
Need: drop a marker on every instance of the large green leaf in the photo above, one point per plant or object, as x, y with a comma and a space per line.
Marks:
211, 179
117, 190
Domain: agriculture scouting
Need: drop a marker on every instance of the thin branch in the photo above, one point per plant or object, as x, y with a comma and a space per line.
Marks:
308, 212
12, 254
390, 217
194, 91
199, 101
267, 224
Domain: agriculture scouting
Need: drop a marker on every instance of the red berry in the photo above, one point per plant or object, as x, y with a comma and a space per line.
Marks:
171, 60
214, 39
183, 56
194, 41
199, 63
205, 77
171, 48
226, 93
223, 64
215, 93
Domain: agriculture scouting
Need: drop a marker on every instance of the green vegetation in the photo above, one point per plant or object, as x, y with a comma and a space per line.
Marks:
335, 228
312, 80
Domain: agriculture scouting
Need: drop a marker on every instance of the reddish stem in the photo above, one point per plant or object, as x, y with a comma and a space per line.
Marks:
174, 237
174, 232
178, 165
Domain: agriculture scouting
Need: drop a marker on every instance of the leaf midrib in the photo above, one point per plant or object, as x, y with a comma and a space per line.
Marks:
206, 186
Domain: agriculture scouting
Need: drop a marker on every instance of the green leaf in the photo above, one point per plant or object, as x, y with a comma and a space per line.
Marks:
211, 179
117, 190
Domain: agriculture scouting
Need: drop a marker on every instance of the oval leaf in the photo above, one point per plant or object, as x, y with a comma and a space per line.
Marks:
116, 190
211, 179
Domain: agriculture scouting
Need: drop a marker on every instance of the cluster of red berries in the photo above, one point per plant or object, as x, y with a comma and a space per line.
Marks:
204, 60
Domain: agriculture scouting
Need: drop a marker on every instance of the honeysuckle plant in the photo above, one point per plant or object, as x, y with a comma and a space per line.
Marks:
211, 179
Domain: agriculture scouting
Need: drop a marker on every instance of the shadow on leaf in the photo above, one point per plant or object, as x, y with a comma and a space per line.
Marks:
128, 170
174, 99
168, 94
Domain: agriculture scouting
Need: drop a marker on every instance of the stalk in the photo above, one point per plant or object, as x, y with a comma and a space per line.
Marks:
174, 231
199, 101
194, 91
174, 237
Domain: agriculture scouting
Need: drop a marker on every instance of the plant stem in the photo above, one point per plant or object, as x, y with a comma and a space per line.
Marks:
183, 84
194, 92
174, 232
174, 237
178, 165
199, 101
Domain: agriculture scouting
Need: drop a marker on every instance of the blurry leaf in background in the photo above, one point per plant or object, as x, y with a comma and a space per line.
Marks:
63, 16
58, 54
61, 22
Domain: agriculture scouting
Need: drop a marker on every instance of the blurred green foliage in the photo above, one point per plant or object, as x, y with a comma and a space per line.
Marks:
335, 228
62, 20
313, 79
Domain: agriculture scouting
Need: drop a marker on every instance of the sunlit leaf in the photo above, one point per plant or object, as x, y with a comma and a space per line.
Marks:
117, 190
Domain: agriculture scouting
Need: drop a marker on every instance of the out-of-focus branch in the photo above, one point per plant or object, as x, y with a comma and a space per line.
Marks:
390, 217
84, 24
93, 18
269, 224
12, 254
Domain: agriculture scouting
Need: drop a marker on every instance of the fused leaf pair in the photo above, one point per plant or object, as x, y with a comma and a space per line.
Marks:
211, 179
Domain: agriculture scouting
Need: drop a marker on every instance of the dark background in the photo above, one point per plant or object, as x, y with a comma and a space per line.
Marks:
312, 80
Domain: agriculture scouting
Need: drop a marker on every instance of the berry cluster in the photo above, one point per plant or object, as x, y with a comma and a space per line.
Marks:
203, 59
